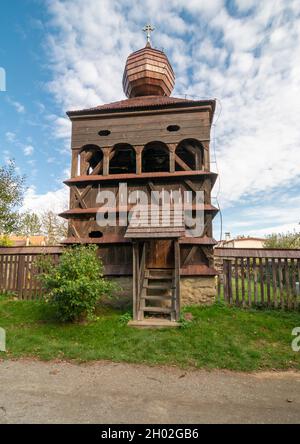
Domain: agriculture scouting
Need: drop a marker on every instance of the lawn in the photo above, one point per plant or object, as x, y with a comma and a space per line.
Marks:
218, 337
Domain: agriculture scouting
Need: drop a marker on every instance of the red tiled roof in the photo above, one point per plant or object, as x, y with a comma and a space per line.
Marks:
142, 102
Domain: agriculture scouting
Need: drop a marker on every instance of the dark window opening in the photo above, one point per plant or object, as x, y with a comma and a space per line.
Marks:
155, 158
191, 153
172, 128
95, 159
90, 158
104, 133
123, 161
95, 234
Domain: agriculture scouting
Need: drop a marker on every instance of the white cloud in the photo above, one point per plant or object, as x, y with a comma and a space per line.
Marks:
56, 201
17, 105
28, 150
10, 137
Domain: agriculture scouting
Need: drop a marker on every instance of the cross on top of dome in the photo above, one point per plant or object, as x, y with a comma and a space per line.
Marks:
148, 29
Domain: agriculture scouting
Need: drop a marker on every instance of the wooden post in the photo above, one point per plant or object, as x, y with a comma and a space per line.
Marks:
205, 160
274, 279
84, 165
106, 158
135, 252
237, 296
20, 281
74, 166
172, 149
248, 282
262, 288
287, 284
138, 152
229, 282
268, 272
255, 281
225, 281
177, 278
243, 281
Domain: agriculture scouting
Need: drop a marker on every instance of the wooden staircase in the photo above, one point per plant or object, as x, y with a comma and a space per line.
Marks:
158, 296
156, 292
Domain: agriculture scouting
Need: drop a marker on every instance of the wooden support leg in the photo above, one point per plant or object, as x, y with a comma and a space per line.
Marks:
177, 279
135, 274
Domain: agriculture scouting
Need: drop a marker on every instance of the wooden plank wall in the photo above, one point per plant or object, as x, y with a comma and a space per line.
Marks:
141, 128
265, 277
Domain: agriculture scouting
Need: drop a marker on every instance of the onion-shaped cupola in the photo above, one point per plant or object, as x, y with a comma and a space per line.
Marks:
148, 72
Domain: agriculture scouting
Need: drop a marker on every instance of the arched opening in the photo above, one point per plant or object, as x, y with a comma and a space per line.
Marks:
123, 161
155, 158
90, 160
190, 151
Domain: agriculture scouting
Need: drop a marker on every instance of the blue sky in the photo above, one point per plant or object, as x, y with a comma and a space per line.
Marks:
68, 54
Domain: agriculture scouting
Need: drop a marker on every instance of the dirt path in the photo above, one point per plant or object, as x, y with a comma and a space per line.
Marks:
38, 392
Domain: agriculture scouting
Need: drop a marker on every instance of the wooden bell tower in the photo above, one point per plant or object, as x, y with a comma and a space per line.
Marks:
152, 142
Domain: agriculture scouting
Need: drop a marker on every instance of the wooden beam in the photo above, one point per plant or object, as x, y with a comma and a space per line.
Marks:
79, 198
181, 163
190, 255
257, 252
209, 255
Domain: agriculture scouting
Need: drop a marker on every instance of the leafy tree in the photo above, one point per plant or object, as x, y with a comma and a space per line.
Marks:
5, 241
76, 283
54, 227
30, 225
11, 197
283, 240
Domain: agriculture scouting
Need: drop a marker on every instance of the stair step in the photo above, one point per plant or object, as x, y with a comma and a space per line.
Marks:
163, 278
158, 309
169, 270
159, 287
157, 298
154, 323
156, 271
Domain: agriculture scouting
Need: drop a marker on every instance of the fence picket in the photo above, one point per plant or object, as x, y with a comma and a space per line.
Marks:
243, 281
274, 279
280, 267
255, 281
287, 283
261, 279
267, 267
236, 274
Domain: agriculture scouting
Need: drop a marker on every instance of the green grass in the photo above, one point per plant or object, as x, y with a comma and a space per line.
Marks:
219, 337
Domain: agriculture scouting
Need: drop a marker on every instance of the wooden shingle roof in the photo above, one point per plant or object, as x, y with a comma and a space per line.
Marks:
161, 223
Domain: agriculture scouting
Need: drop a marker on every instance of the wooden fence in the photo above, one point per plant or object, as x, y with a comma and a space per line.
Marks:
247, 276
18, 270
266, 277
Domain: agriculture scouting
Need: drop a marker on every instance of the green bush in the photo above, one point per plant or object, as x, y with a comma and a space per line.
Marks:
5, 241
76, 283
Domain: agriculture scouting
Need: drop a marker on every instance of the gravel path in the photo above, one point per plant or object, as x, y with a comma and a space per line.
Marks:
105, 392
